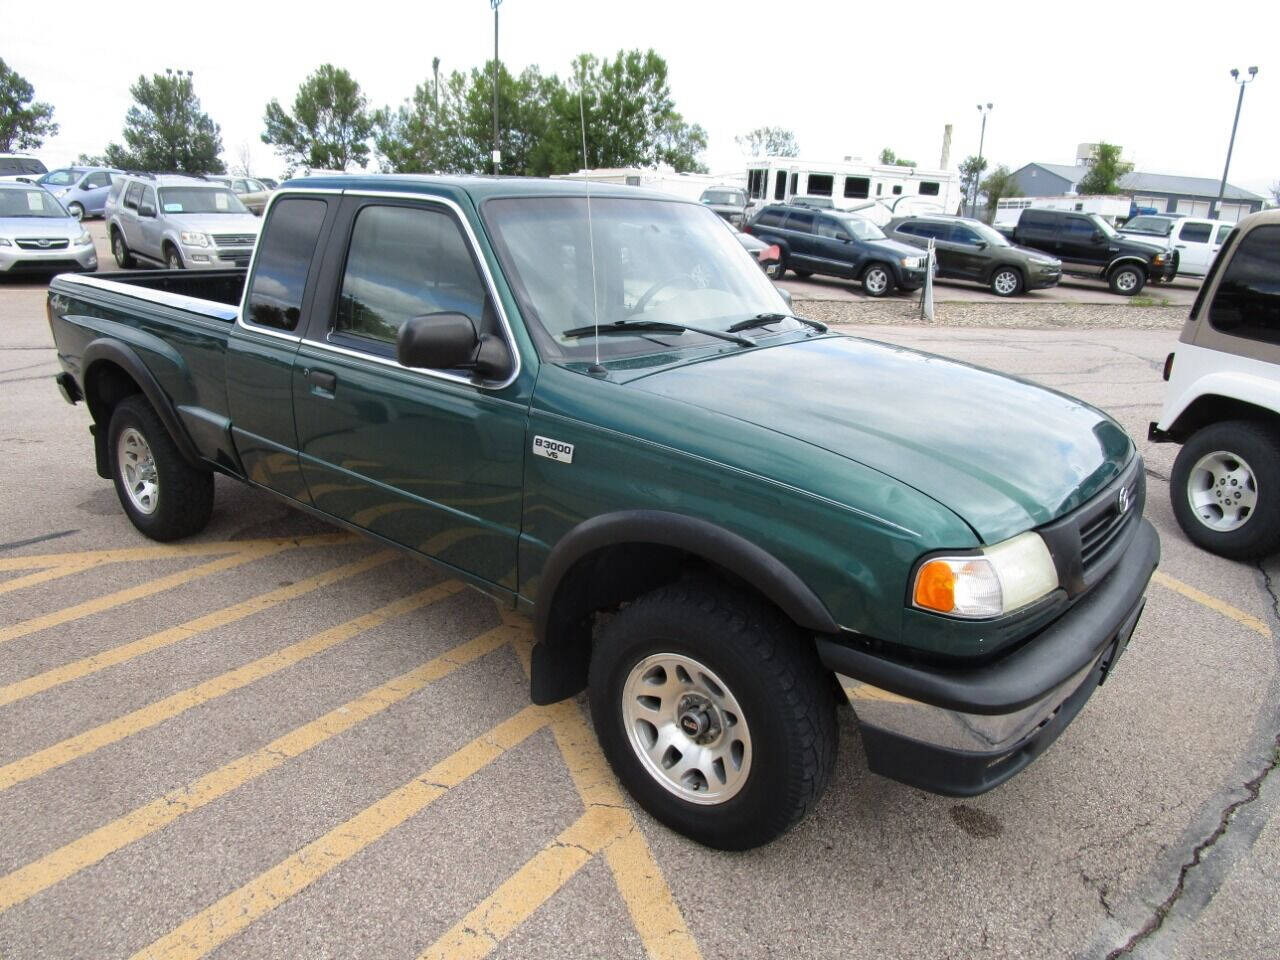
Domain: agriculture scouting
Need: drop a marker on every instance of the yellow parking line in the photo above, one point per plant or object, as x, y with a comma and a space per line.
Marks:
170, 551
56, 866
500, 913
209, 621
53, 572
1213, 603
156, 713
223, 920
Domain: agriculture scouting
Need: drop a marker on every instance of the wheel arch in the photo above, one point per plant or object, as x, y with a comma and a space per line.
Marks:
1126, 261
1210, 407
613, 558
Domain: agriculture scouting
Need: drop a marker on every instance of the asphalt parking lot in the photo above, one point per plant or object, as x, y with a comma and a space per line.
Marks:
274, 740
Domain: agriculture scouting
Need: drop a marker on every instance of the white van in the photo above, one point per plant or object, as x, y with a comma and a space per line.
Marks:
1195, 239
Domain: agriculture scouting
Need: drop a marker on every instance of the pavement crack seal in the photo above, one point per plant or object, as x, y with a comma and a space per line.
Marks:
1252, 789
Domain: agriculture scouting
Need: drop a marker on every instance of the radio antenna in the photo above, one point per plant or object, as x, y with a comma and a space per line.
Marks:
595, 369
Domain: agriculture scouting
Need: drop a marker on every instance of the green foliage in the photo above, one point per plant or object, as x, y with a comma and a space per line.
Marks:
165, 129
769, 142
1106, 172
970, 174
330, 126
24, 123
629, 115
92, 160
998, 185
887, 156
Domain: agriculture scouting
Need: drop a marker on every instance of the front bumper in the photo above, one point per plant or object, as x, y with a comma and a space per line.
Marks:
1039, 279
962, 732
15, 260
216, 258
911, 278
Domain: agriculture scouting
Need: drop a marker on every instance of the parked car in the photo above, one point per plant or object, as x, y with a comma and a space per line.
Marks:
37, 235
839, 245
768, 255
1195, 240
82, 190
968, 249
254, 194
718, 516
270, 183
1088, 246
727, 202
180, 221
20, 166
1223, 399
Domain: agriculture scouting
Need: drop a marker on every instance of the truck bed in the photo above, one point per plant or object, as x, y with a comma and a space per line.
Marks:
214, 286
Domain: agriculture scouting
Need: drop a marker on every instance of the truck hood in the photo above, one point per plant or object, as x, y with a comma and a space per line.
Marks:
1003, 454
1154, 244
215, 222
895, 248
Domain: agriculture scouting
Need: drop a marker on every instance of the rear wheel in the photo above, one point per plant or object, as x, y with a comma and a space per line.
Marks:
714, 712
1225, 489
164, 496
1127, 280
1006, 282
803, 274
120, 250
877, 280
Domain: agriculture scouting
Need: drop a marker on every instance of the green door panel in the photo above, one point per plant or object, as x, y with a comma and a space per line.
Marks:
260, 399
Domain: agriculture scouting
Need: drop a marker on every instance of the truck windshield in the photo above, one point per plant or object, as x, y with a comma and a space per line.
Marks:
1102, 225
199, 200
654, 261
34, 202
726, 197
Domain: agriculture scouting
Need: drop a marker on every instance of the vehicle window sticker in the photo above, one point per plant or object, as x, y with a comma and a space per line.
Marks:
220, 201
35, 202
173, 208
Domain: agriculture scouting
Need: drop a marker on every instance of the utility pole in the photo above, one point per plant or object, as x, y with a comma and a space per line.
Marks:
1222, 190
435, 70
497, 154
977, 177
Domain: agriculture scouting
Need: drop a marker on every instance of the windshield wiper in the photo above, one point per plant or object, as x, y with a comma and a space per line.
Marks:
654, 326
762, 319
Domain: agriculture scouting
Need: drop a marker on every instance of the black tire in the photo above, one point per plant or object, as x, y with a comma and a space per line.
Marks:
1007, 282
1127, 280
183, 501
172, 258
775, 271
76, 210
1255, 447
766, 665
802, 274
877, 280
120, 250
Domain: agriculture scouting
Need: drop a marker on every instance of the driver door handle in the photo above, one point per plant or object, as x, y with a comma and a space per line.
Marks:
322, 380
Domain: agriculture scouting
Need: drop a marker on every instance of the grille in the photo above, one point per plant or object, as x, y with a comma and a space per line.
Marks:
43, 266
1100, 531
234, 239
46, 244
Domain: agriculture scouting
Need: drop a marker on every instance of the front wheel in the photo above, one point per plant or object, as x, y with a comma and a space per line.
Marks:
1006, 282
877, 281
1225, 489
164, 496
1127, 280
173, 259
714, 713
76, 210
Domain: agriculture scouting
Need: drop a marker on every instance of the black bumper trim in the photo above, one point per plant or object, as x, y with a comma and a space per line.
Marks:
962, 773
1061, 650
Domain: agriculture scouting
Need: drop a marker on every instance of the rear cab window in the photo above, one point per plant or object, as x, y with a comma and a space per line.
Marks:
285, 252
1196, 232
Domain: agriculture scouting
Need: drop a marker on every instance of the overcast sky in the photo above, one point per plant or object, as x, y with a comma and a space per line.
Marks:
847, 78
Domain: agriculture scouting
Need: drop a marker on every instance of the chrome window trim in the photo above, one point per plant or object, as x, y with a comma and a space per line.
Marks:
472, 242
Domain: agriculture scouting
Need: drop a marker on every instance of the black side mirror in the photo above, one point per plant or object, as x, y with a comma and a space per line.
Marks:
449, 341
982, 244
146, 210
1098, 236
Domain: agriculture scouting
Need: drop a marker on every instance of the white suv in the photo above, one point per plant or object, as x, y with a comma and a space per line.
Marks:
1223, 399
179, 221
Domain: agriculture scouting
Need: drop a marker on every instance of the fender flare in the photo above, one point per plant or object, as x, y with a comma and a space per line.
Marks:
1127, 259
559, 662
107, 349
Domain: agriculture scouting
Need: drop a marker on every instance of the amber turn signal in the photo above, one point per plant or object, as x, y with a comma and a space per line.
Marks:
936, 586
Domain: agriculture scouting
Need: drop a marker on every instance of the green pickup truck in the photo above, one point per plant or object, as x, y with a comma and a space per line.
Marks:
589, 402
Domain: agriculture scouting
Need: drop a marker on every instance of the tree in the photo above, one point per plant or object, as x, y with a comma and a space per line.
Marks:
92, 160
998, 185
24, 122
165, 129
330, 126
887, 156
970, 175
1105, 172
769, 142
1275, 193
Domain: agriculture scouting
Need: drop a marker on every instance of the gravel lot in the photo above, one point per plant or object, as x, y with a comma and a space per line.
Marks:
273, 741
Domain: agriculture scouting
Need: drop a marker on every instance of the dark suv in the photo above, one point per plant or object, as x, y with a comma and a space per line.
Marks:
839, 245
970, 250
1088, 246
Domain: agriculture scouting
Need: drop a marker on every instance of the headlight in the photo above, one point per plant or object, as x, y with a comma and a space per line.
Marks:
84, 239
995, 581
912, 262
195, 239
1158, 259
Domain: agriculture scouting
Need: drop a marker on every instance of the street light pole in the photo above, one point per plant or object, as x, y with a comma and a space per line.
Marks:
497, 154
1222, 190
977, 176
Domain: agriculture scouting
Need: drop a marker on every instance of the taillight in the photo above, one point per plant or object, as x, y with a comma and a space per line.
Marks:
1168, 366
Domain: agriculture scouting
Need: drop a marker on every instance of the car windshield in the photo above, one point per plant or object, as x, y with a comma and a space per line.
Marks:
654, 261
1102, 225
1154, 226
60, 178
34, 202
200, 200
862, 229
727, 197
9, 166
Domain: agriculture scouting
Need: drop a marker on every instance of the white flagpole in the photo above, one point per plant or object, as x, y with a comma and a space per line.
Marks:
926, 298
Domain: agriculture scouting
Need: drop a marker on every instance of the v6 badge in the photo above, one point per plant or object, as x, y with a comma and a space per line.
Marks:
553, 449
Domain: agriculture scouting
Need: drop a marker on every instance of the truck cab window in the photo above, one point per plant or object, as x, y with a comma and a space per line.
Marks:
284, 256
405, 262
